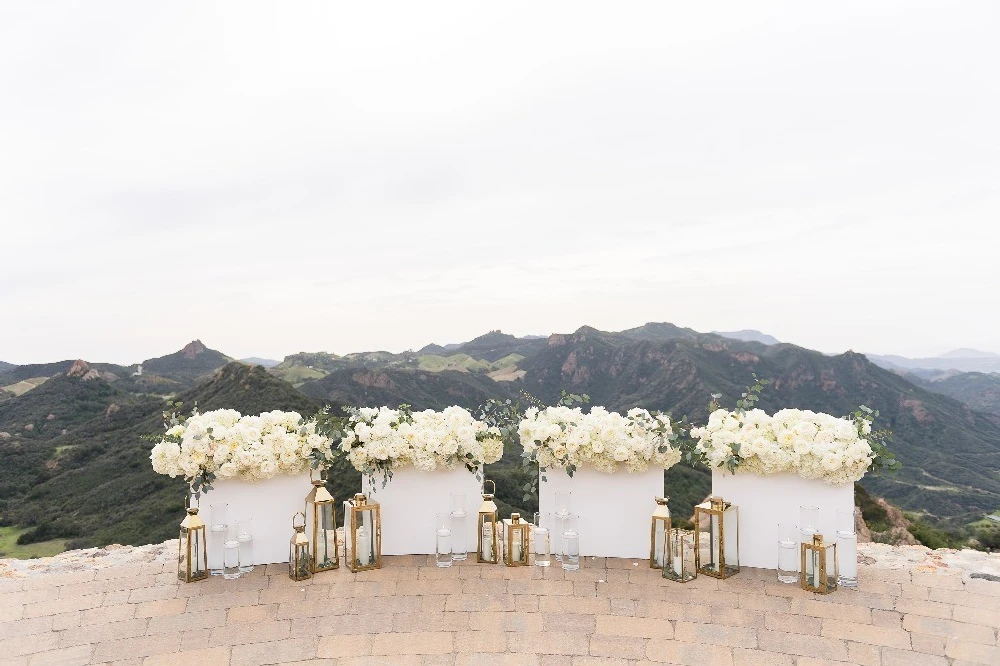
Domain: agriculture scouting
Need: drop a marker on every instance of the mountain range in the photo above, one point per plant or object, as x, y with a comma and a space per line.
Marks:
75, 467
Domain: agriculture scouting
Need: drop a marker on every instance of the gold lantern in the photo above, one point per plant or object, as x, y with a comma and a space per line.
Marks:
192, 550
487, 546
679, 556
819, 566
659, 529
717, 549
516, 534
321, 526
299, 561
362, 534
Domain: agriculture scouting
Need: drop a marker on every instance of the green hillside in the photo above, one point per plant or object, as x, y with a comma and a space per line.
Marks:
979, 390
102, 489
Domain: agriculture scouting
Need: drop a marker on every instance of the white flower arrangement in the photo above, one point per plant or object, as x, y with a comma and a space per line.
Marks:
383, 439
223, 444
810, 444
565, 437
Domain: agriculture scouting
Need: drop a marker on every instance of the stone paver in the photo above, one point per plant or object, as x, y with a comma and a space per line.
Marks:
125, 607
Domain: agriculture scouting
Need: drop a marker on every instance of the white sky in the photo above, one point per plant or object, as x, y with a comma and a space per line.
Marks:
348, 176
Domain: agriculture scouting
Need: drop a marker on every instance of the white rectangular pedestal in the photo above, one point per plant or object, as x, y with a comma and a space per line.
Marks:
614, 509
270, 503
766, 501
412, 498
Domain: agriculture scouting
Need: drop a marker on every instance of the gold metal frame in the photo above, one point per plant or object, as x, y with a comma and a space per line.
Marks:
358, 506
662, 514
298, 548
715, 507
820, 570
321, 500
191, 526
511, 526
488, 508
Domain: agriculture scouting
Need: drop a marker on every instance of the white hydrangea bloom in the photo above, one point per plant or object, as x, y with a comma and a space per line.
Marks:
810, 444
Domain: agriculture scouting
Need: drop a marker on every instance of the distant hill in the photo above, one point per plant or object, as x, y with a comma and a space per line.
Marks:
392, 387
4, 366
749, 335
264, 362
979, 362
968, 353
976, 389
187, 366
656, 332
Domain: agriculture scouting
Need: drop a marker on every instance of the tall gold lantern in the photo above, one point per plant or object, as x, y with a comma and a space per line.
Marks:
516, 533
659, 531
362, 534
818, 572
321, 526
487, 544
192, 549
717, 544
299, 561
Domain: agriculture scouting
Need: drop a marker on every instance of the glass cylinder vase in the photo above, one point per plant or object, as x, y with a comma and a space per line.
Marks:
443, 537
244, 535
541, 541
788, 554
459, 527
847, 549
231, 554
217, 526
570, 526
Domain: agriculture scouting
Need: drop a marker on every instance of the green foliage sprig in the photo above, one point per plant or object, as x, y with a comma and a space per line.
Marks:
884, 460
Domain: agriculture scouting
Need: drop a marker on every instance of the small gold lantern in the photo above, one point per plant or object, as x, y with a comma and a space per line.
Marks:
819, 566
362, 534
321, 526
516, 534
717, 544
659, 529
679, 556
192, 549
299, 561
487, 546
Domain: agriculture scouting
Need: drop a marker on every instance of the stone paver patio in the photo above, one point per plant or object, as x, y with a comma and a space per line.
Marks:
610, 612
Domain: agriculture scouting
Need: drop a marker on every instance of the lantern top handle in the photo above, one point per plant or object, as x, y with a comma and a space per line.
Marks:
492, 484
295, 517
188, 506
316, 482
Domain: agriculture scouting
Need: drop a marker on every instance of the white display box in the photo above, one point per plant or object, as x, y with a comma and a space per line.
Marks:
614, 509
271, 504
766, 501
410, 501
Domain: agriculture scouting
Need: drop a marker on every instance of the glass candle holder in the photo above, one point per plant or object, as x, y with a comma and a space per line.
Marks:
808, 528
847, 549
244, 535
570, 526
788, 553
541, 541
443, 537
563, 505
459, 527
231, 554
218, 523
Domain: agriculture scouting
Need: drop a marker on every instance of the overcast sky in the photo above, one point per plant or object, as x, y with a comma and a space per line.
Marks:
347, 176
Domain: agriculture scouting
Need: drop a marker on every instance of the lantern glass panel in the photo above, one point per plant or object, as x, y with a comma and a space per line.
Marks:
679, 559
488, 544
658, 531
362, 534
321, 527
819, 566
717, 538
